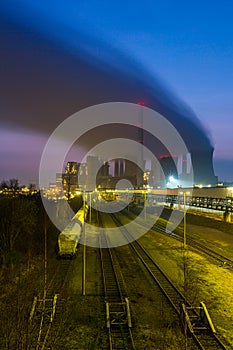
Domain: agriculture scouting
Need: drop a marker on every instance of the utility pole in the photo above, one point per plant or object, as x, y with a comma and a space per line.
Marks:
45, 285
184, 220
84, 247
185, 223
140, 140
90, 207
185, 266
144, 205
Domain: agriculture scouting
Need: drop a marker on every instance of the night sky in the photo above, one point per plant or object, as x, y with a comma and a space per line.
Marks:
53, 53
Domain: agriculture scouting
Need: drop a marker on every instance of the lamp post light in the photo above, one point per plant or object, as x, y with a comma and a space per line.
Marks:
185, 223
185, 265
145, 205
84, 246
128, 198
90, 207
185, 228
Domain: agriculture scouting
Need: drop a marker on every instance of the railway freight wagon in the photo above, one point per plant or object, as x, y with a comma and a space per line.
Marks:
69, 238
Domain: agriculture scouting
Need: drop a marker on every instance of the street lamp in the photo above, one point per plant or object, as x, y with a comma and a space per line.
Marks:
84, 246
185, 225
145, 205
90, 204
185, 266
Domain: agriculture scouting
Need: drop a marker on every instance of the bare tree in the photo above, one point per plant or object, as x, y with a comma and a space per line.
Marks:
14, 185
4, 184
17, 224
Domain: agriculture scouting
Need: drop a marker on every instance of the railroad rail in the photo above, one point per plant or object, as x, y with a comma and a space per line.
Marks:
201, 247
178, 235
198, 325
118, 318
47, 309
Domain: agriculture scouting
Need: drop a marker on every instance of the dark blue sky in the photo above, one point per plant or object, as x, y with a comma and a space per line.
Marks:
188, 45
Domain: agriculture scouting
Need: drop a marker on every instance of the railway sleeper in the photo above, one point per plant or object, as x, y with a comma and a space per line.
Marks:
118, 313
44, 306
196, 319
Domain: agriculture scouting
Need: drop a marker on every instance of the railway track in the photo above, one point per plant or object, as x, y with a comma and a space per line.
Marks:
201, 247
46, 315
203, 337
118, 317
178, 235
